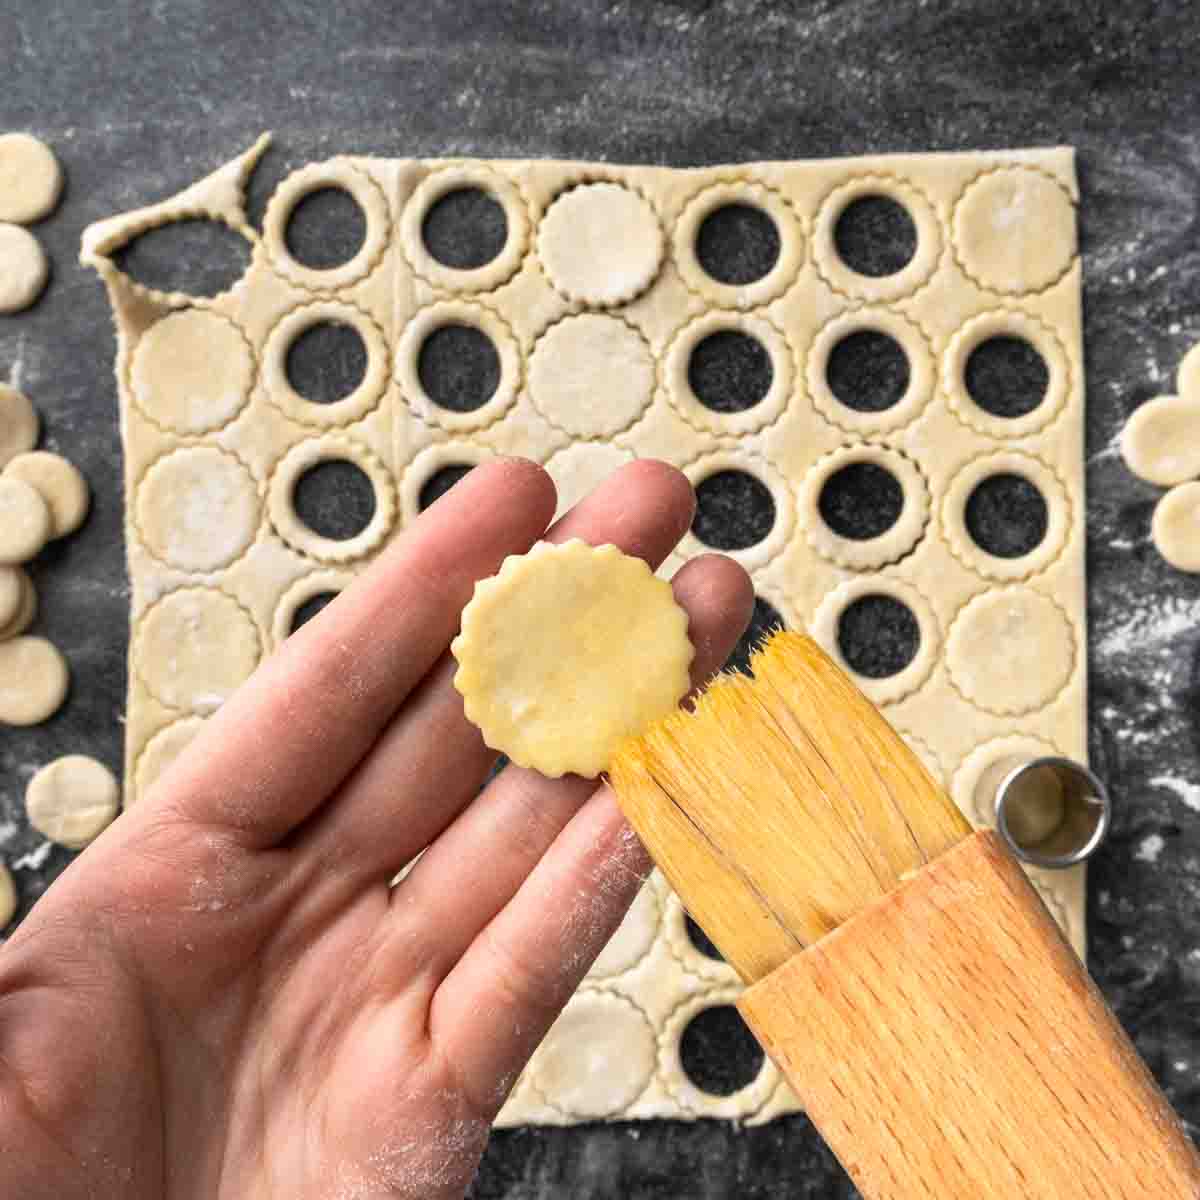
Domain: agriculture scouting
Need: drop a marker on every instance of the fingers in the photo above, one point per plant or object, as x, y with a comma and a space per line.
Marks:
476, 867
431, 761
301, 723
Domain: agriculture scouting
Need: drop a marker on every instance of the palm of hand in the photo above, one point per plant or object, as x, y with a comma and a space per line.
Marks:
224, 997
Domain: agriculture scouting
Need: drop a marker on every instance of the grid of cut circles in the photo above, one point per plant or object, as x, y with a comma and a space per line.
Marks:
882, 288
740, 295
428, 463
408, 354
315, 583
891, 688
954, 516
1005, 323
761, 553
436, 186
288, 472
337, 173
365, 396
891, 545
922, 371
735, 424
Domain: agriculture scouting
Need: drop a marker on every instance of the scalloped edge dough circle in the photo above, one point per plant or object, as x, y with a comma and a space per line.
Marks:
581, 467
566, 651
19, 424
591, 375
161, 751
24, 268
31, 179
1161, 440
577, 250
61, 485
34, 680
982, 771
72, 800
192, 371
25, 521
1175, 527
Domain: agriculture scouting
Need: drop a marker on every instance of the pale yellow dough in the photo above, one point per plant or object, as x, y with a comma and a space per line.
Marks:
61, 485
1176, 527
8, 896
33, 680
26, 610
18, 424
31, 179
568, 650
1187, 380
163, 749
24, 269
1161, 440
24, 521
72, 800
12, 592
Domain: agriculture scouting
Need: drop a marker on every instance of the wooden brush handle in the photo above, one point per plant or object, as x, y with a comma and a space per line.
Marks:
948, 1044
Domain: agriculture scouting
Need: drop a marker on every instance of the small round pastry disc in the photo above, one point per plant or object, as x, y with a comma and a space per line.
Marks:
26, 608
1175, 527
62, 487
33, 680
18, 424
8, 896
25, 521
12, 592
31, 179
23, 268
72, 799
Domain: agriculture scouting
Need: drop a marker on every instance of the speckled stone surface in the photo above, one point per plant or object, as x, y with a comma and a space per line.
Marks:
139, 100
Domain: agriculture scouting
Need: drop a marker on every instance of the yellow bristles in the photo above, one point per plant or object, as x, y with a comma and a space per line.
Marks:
781, 805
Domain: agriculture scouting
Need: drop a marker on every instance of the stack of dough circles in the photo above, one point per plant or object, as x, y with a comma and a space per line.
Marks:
72, 800
25, 521
19, 424
61, 485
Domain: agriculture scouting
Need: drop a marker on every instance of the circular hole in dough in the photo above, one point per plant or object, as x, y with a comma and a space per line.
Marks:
1006, 515
163, 749
861, 500
198, 509
465, 229
459, 367
875, 236
31, 179
701, 941
310, 607
72, 800
1176, 527
600, 244
307, 597
868, 371
61, 485
326, 362
34, 680
25, 521
764, 620
334, 498
326, 229
19, 425
24, 268
718, 1052
440, 482
730, 371
878, 635
1161, 440
737, 244
733, 510
192, 371
1007, 377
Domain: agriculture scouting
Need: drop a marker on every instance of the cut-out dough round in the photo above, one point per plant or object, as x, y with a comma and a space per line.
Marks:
633, 938
1014, 230
198, 509
1176, 527
568, 650
19, 424
162, 750
25, 521
591, 375
1010, 651
8, 896
572, 1068
31, 179
24, 269
1161, 440
194, 648
583, 259
72, 800
1187, 380
26, 609
582, 467
12, 593
34, 680
61, 485
192, 371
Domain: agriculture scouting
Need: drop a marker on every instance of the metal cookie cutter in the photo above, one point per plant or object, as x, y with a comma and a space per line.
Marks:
1052, 812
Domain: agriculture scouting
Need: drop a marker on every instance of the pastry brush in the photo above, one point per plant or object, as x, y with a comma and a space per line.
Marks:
902, 972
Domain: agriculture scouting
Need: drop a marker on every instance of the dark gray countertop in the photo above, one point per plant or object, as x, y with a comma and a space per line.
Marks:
140, 99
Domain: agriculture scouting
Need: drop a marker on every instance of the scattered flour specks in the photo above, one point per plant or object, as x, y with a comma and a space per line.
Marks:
35, 859
1150, 848
1189, 793
1149, 628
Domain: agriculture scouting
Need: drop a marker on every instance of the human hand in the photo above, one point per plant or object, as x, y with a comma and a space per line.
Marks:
224, 998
